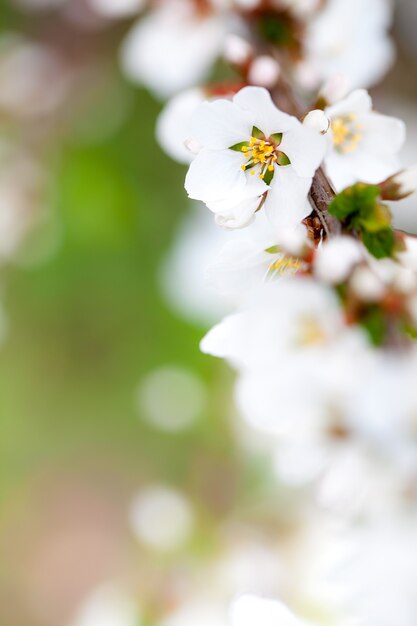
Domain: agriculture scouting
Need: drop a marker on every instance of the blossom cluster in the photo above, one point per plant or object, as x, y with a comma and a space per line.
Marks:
321, 289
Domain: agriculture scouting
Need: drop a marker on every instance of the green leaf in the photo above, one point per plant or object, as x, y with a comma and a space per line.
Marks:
283, 158
238, 146
360, 199
378, 218
380, 244
257, 133
276, 138
410, 331
375, 325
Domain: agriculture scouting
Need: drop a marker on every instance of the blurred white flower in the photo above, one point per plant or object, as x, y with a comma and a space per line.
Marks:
33, 81
336, 258
264, 71
22, 203
346, 39
265, 612
256, 255
161, 518
204, 612
183, 271
364, 144
253, 154
173, 127
108, 606
173, 47
378, 570
366, 284
171, 398
253, 566
237, 50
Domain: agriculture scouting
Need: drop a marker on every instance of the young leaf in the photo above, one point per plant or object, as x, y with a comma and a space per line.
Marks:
375, 324
360, 199
380, 244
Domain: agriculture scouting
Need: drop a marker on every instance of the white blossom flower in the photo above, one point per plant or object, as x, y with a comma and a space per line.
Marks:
174, 46
256, 255
364, 144
171, 398
196, 246
33, 79
377, 569
253, 153
264, 71
237, 50
336, 258
173, 127
290, 337
108, 606
161, 517
347, 38
266, 613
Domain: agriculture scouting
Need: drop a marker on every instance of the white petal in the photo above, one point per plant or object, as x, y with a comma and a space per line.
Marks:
173, 127
383, 135
358, 101
249, 610
286, 203
223, 340
269, 119
221, 124
241, 215
238, 210
215, 175
339, 168
305, 148
370, 168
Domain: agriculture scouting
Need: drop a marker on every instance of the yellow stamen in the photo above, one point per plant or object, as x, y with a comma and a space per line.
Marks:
347, 133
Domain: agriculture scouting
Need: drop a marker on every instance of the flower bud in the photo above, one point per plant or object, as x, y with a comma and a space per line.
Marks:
400, 185
317, 120
366, 285
237, 50
264, 72
336, 259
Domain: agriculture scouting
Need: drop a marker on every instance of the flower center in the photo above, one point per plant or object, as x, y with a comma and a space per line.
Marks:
284, 265
262, 154
310, 332
347, 133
